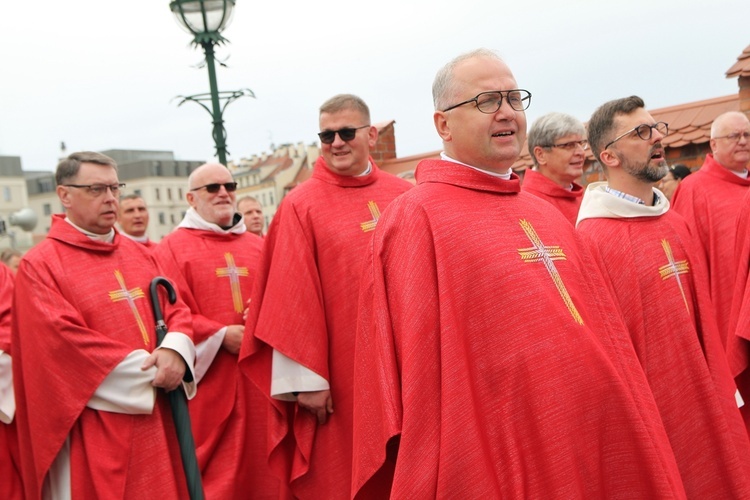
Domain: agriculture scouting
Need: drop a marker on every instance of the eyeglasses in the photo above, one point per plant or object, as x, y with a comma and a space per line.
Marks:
490, 102
570, 146
346, 134
644, 131
215, 187
735, 136
98, 189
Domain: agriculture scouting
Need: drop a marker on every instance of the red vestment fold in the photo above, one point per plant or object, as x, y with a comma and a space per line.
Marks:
566, 201
660, 281
214, 273
491, 361
80, 307
10, 475
709, 200
305, 306
738, 344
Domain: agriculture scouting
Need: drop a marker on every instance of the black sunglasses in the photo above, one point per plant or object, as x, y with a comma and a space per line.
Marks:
215, 187
346, 134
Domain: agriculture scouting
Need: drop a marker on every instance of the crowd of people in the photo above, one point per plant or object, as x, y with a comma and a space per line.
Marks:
472, 336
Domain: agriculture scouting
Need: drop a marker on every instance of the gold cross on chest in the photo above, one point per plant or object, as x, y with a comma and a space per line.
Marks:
233, 273
548, 255
375, 212
672, 268
130, 296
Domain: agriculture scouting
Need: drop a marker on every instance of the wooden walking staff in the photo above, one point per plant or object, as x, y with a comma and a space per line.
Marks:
177, 399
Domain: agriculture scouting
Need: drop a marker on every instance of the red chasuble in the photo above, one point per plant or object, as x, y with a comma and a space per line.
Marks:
738, 345
214, 273
659, 279
80, 307
491, 361
10, 474
710, 200
305, 306
566, 201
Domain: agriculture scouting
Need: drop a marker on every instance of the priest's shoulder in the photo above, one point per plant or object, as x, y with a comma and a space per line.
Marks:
133, 247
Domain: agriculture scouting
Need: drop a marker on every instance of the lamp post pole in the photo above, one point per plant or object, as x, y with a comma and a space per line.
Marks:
219, 132
205, 19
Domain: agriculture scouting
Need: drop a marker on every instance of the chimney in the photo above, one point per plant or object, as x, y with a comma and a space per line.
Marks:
741, 70
385, 148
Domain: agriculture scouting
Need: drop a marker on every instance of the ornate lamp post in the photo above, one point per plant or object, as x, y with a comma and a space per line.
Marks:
205, 20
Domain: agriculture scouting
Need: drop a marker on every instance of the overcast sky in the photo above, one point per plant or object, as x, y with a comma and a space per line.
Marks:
103, 74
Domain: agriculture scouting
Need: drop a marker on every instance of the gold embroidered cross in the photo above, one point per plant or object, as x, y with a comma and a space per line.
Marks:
234, 273
672, 268
375, 212
548, 254
130, 296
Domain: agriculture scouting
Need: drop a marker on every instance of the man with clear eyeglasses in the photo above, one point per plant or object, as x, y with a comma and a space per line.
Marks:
91, 422
557, 145
660, 281
302, 319
491, 360
213, 260
710, 200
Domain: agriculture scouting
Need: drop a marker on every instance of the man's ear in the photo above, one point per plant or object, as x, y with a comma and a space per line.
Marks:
64, 194
442, 126
609, 159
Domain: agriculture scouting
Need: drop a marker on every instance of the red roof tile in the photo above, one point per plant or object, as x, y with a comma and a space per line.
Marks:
742, 66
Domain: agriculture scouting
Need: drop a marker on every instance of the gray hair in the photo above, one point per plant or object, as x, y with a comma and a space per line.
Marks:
550, 127
444, 88
719, 121
69, 167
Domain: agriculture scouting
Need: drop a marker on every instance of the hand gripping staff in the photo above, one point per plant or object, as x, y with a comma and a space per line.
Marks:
177, 399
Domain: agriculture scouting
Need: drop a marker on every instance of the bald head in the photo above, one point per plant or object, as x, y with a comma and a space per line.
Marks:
211, 193
729, 144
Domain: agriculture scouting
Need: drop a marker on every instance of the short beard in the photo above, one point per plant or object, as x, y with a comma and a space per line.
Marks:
648, 173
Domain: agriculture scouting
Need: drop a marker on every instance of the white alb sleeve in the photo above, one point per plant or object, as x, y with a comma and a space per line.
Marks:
288, 376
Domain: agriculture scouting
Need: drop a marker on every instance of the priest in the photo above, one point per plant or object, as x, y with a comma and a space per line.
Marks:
299, 348
10, 475
92, 418
557, 145
710, 200
660, 282
213, 260
491, 361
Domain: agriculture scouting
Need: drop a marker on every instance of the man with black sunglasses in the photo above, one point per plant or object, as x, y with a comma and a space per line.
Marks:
302, 319
491, 360
710, 200
557, 145
660, 281
213, 259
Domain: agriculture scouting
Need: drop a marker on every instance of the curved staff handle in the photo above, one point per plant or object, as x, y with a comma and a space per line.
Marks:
161, 326
177, 399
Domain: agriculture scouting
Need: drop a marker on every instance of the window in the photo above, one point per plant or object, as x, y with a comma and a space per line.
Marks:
162, 218
169, 194
47, 209
171, 218
158, 194
138, 192
6, 194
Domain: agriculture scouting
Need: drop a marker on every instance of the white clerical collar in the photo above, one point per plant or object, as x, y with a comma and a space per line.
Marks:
504, 175
741, 175
139, 239
194, 221
367, 170
106, 238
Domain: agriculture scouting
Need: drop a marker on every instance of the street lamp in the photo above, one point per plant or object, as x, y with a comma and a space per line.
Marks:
205, 20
